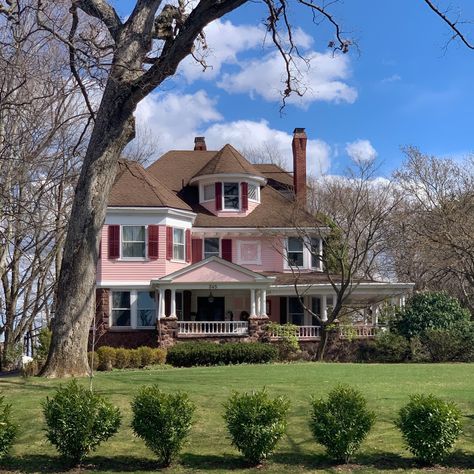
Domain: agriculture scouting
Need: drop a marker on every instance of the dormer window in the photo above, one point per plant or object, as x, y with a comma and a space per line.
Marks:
231, 196
209, 192
253, 191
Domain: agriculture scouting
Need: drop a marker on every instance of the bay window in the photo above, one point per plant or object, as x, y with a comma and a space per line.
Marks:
178, 244
133, 241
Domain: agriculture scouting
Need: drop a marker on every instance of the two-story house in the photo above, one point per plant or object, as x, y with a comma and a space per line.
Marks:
210, 239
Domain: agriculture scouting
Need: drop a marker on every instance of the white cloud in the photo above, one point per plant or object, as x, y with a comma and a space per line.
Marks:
322, 79
175, 119
392, 78
361, 151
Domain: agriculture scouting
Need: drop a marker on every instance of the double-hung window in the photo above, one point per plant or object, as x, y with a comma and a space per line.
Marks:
316, 257
211, 247
133, 241
295, 251
121, 309
179, 249
209, 192
146, 309
231, 196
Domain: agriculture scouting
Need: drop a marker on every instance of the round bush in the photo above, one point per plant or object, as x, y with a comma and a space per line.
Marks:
7, 428
389, 347
147, 356
159, 356
341, 422
429, 310
429, 426
162, 421
106, 357
122, 358
256, 423
78, 420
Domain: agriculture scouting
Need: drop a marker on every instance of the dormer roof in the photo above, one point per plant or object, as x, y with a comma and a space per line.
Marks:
228, 161
135, 187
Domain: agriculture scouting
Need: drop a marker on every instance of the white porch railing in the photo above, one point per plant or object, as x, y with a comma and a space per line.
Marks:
213, 328
302, 333
359, 331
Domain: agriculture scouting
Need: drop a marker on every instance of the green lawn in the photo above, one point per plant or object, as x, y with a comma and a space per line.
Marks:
386, 386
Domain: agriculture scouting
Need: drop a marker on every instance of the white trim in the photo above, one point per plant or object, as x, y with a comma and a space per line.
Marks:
240, 261
177, 260
262, 231
153, 210
116, 285
204, 247
133, 308
145, 257
228, 176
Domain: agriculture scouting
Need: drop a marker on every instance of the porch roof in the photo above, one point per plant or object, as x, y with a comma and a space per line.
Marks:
215, 270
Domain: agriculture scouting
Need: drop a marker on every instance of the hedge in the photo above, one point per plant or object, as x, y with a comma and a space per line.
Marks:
108, 358
188, 354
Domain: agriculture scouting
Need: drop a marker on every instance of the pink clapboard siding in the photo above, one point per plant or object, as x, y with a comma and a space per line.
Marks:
211, 207
135, 270
271, 254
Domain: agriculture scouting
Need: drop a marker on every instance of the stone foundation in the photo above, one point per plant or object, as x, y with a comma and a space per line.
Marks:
258, 329
167, 331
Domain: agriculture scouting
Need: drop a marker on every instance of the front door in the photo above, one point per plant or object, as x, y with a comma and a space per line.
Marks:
210, 311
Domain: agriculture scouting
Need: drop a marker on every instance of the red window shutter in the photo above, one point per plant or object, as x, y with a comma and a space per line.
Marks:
100, 248
114, 241
188, 245
218, 196
197, 250
227, 249
153, 236
245, 195
169, 243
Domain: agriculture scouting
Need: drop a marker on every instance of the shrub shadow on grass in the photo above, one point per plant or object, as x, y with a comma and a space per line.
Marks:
210, 462
54, 464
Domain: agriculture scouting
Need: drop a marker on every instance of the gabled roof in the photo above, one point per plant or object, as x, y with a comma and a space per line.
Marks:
275, 173
134, 187
228, 161
215, 269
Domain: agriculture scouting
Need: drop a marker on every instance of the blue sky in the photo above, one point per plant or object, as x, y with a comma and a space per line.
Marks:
399, 87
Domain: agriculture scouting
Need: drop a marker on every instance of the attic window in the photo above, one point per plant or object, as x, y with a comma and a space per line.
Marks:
231, 196
253, 192
209, 192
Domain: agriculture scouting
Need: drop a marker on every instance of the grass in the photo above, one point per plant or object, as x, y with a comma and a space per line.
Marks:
209, 450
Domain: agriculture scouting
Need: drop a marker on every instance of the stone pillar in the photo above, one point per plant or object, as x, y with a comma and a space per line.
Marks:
258, 328
252, 303
167, 331
102, 305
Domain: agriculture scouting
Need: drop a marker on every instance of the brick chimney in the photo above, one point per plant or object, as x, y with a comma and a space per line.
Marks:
299, 164
200, 144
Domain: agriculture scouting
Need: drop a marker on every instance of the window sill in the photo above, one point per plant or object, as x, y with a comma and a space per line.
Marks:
133, 259
240, 262
130, 329
173, 260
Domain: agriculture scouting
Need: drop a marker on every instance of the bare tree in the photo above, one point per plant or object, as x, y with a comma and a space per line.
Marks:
438, 222
349, 217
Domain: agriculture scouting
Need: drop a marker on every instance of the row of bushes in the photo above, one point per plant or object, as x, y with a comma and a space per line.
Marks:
78, 421
189, 354
108, 358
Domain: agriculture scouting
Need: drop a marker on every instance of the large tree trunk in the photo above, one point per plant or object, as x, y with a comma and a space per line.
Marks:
323, 341
114, 128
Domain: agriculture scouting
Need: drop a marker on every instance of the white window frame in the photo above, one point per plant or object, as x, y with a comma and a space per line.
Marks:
240, 259
204, 246
112, 309
287, 260
122, 257
138, 309
307, 255
174, 259
133, 309
239, 191
257, 192
319, 265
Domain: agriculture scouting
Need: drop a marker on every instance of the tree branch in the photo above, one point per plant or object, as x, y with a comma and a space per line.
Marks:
103, 11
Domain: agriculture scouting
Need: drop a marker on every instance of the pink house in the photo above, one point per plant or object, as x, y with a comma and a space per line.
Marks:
202, 244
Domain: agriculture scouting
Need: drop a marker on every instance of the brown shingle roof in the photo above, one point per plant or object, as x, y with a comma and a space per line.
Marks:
133, 186
275, 173
309, 278
228, 160
178, 166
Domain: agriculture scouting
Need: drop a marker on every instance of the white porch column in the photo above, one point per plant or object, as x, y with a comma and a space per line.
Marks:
161, 304
263, 310
252, 302
324, 308
375, 314
402, 301
259, 303
173, 303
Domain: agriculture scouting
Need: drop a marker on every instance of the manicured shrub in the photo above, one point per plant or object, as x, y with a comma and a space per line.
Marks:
287, 342
341, 422
429, 426
159, 356
135, 359
122, 358
7, 428
256, 423
429, 310
106, 357
78, 420
389, 347
189, 354
162, 421
147, 356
